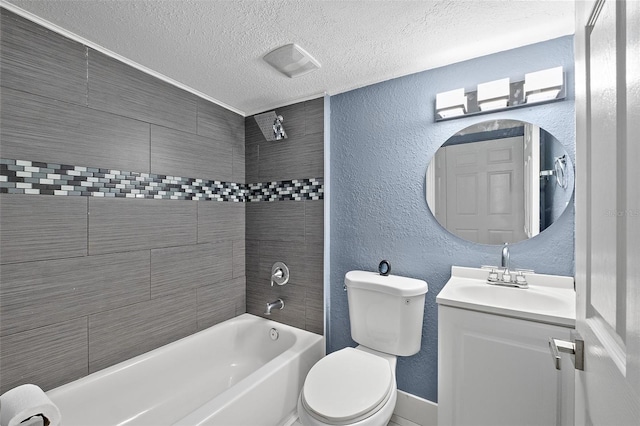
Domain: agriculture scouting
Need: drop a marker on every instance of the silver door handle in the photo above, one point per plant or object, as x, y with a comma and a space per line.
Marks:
575, 348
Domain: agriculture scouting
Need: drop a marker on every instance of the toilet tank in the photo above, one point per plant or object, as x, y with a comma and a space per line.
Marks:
386, 312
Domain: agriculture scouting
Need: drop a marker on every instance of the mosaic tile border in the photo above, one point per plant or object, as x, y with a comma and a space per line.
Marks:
297, 189
32, 177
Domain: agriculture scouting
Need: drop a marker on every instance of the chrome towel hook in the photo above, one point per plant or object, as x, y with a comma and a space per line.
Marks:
560, 170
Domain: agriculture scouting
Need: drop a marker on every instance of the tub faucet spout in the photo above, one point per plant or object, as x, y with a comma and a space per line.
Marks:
278, 304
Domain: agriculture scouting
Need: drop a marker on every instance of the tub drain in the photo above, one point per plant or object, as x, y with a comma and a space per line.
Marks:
273, 333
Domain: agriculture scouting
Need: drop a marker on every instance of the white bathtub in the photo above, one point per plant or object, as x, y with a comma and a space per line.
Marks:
230, 374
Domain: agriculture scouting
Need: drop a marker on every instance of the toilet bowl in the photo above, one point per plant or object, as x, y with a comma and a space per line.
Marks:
357, 386
353, 386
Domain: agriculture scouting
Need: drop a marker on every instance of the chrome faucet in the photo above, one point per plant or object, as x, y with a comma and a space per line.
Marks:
506, 258
278, 304
505, 275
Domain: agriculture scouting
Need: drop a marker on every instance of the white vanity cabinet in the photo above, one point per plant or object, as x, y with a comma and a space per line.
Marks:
494, 363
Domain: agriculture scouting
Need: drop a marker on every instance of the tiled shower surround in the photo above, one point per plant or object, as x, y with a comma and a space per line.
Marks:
103, 252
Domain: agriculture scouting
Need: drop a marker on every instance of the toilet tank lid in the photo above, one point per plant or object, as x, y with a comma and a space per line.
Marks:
390, 284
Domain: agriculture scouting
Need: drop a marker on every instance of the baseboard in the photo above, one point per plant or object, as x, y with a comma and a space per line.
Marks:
415, 409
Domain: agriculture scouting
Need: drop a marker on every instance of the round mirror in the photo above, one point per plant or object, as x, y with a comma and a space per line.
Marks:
499, 181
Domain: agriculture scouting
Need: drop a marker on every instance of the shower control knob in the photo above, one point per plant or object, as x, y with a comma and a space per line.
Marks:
279, 274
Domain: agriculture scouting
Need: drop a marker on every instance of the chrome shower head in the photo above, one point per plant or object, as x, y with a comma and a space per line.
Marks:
278, 130
271, 125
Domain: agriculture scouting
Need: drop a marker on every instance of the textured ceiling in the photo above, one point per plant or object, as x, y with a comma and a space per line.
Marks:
215, 47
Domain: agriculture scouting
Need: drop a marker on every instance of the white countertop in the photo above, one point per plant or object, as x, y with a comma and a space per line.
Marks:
549, 299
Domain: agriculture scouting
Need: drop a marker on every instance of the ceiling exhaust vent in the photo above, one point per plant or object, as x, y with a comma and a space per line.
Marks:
291, 60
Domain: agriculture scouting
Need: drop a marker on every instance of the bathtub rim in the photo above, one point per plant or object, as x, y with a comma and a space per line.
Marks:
130, 362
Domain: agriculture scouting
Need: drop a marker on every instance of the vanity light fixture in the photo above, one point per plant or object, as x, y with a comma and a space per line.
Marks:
543, 85
493, 95
537, 88
451, 104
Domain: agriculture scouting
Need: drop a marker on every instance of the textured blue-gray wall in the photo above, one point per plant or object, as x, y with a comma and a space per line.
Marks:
382, 137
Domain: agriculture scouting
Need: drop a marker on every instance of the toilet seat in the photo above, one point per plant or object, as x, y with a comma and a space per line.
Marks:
347, 386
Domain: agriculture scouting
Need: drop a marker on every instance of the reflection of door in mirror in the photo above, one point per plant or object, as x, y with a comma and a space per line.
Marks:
492, 167
499, 181
531, 180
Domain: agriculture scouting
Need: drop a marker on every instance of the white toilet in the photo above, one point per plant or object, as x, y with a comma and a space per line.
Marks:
357, 386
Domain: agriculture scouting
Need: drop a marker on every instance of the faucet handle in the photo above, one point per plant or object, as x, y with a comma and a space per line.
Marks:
520, 279
279, 274
493, 273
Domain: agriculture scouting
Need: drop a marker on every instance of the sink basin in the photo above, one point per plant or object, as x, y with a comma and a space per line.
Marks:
549, 298
518, 300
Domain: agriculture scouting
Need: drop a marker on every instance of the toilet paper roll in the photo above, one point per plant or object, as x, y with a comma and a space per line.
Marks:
24, 402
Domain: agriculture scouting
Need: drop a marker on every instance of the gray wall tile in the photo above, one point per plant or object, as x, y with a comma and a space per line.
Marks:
123, 333
277, 221
37, 60
289, 231
252, 163
312, 275
314, 221
239, 256
188, 267
220, 302
36, 294
292, 158
252, 259
303, 277
219, 123
42, 227
40, 129
118, 88
314, 116
137, 224
293, 255
314, 310
239, 165
225, 127
219, 221
252, 133
300, 155
93, 311
253, 139
48, 356
177, 153
259, 293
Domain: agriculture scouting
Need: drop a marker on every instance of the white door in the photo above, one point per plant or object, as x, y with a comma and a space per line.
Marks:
608, 211
485, 181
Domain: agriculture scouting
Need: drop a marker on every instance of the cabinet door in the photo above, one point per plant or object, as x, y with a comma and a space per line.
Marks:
494, 370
